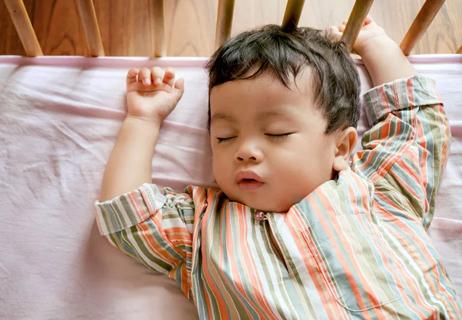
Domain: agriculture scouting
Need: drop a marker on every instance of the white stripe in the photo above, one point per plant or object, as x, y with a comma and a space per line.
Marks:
308, 285
275, 274
148, 262
410, 264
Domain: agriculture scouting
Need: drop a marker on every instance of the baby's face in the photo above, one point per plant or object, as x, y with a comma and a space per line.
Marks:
268, 143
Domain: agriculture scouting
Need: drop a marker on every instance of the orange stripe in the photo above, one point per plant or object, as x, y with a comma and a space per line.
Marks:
152, 244
326, 203
410, 91
423, 160
404, 274
236, 276
251, 268
352, 198
210, 281
412, 174
326, 296
134, 201
184, 283
385, 100
396, 100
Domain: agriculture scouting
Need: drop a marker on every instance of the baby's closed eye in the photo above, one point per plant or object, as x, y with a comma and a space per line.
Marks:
278, 135
282, 134
223, 139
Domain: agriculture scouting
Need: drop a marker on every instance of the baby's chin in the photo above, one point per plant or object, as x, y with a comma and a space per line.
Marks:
275, 208
267, 206
271, 201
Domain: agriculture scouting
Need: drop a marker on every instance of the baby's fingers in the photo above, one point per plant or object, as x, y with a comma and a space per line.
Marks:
179, 85
132, 75
145, 76
157, 75
368, 20
136, 75
169, 77
334, 33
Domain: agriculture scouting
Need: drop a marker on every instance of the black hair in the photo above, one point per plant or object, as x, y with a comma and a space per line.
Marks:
335, 79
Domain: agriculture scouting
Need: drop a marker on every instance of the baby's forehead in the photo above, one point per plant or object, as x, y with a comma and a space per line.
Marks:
265, 86
261, 104
300, 79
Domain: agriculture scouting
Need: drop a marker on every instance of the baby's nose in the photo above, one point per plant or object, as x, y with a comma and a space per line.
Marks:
249, 153
246, 157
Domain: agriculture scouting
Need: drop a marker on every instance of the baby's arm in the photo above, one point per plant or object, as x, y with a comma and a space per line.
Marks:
382, 57
150, 224
151, 95
405, 151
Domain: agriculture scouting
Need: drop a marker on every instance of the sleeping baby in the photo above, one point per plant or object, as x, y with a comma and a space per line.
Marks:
299, 226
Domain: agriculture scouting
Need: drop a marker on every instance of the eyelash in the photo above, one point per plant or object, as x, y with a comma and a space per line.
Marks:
270, 135
220, 140
278, 136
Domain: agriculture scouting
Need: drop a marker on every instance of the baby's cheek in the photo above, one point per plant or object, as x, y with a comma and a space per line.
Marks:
302, 180
221, 174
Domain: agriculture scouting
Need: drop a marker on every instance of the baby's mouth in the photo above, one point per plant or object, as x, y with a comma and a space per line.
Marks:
249, 184
248, 180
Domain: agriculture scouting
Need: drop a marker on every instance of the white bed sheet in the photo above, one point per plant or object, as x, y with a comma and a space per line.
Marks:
59, 117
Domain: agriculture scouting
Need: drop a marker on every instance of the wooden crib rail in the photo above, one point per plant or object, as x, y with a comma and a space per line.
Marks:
292, 14
420, 24
23, 26
355, 21
87, 13
224, 21
160, 49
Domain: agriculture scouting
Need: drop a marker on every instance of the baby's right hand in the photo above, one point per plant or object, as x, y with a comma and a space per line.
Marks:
152, 93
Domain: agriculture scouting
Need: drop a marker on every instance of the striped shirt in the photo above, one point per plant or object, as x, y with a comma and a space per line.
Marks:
356, 247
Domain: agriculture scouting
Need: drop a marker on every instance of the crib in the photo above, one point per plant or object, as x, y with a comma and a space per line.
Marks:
59, 121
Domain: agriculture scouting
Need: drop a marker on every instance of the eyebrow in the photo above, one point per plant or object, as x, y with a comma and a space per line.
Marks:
263, 116
221, 116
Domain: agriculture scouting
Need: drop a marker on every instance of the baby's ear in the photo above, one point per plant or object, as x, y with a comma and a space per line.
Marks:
345, 144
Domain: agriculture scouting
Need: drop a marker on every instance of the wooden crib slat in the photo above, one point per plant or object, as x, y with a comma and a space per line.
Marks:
292, 14
87, 15
459, 50
355, 21
224, 21
420, 24
159, 35
24, 28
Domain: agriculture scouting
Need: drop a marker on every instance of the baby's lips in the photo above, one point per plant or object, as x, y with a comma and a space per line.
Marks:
247, 175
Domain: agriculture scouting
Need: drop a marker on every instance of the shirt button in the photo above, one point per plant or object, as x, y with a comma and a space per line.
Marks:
260, 216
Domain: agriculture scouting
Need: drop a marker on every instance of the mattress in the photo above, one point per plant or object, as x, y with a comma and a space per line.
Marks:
59, 118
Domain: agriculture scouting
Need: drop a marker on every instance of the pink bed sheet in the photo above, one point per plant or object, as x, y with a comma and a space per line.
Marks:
59, 118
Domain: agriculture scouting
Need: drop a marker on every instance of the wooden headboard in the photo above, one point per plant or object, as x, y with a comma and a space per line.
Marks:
155, 31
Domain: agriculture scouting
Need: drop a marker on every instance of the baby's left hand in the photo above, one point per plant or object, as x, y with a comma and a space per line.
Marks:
369, 36
382, 57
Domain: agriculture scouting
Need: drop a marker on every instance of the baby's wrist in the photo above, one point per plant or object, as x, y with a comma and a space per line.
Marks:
385, 62
375, 45
151, 122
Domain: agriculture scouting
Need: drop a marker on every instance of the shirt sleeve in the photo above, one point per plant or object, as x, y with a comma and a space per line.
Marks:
405, 151
154, 226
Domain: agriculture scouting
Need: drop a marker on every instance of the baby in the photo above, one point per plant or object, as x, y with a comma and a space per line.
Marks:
294, 230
